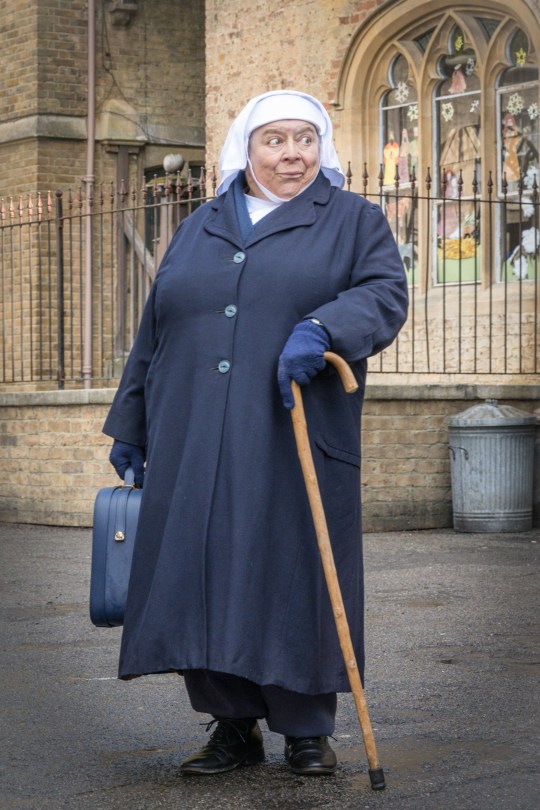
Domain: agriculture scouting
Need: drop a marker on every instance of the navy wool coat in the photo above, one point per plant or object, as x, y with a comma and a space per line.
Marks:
226, 572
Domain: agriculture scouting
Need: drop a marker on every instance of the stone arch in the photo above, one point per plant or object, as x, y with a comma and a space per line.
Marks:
392, 29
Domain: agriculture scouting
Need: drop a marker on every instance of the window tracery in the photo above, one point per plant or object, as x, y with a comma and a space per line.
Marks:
452, 114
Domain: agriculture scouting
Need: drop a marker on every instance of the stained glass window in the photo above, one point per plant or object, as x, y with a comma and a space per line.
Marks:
399, 160
458, 158
400, 126
480, 144
519, 176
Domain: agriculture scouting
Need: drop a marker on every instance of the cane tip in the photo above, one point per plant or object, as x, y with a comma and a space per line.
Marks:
376, 776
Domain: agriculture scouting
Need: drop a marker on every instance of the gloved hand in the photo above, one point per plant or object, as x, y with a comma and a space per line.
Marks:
301, 358
124, 455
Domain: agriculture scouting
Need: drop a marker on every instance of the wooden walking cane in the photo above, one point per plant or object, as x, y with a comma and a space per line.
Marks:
376, 773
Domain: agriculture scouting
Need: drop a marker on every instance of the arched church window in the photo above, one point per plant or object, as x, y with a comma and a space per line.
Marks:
400, 126
399, 158
458, 137
458, 117
458, 162
455, 165
519, 176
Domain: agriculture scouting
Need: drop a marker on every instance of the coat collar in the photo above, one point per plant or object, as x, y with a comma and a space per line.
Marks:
299, 211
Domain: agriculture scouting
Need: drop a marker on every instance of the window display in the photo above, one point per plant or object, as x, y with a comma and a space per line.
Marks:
519, 178
400, 161
459, 161
471, 150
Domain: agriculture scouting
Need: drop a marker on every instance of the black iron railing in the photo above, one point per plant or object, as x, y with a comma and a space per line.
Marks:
471, 260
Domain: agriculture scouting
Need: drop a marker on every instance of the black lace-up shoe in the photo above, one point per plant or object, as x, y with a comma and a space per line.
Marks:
310, 755
232, 743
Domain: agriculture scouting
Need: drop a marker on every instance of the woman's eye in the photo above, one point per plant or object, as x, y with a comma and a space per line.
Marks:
274, 141
306, 140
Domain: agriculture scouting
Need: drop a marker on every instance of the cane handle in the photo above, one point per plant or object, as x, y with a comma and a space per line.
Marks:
346, 376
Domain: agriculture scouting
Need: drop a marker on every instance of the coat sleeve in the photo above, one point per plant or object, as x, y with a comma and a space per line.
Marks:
366, 317
126, 420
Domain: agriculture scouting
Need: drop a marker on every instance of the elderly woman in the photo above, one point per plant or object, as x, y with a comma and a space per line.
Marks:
227, 585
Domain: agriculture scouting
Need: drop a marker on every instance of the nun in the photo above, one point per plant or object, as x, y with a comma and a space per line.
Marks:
227, 587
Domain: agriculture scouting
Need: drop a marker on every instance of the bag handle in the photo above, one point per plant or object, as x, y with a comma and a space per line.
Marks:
129, 477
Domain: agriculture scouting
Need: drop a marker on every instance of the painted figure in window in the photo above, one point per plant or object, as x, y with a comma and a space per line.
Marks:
459, 85
461, 151
397, 213
519, 151
527, 154
525, 252
510, 148
448, 214
450, 184
413, 153
403, 164
390, 160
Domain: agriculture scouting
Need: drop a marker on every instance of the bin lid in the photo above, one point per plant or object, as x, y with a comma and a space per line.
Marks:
491, 413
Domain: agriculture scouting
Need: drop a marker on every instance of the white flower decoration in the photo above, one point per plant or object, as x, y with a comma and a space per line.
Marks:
475, 105
402, 92
533, 111
447, 111
527, 210
530, 240
521, 267
532, 174
412, 112
469, 67
515, 104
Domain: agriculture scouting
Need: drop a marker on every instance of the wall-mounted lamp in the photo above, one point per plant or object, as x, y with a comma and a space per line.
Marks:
122, 11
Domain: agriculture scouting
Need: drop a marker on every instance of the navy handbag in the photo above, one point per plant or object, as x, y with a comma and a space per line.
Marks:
116, 512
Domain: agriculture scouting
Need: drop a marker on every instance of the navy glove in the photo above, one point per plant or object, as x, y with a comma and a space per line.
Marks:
301, 358
124, 455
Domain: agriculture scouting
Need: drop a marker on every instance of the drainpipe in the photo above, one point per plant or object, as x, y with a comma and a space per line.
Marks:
89, 181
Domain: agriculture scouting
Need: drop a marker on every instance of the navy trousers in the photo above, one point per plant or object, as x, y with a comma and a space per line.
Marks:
290, 713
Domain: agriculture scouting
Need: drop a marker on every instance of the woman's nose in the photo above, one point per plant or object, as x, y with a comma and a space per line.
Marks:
291, 149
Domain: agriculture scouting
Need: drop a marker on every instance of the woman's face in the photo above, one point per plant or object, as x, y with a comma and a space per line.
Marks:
284, 156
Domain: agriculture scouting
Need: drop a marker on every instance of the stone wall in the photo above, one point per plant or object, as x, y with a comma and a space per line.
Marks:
18, 61
149, 88
149, 103
55, 458
253, 46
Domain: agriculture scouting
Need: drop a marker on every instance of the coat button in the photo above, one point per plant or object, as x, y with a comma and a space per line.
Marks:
230, 311
224, 366
239, 257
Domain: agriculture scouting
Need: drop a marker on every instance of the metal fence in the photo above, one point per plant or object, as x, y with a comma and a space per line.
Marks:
75, 272
76, 268
472, 261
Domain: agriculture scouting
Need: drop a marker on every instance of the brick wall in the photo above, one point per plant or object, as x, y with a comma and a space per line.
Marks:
149, 102
62, 57
60, 167
18, 160
156, 62
253, 46
149, 87
54, 456
405, 458
18, 63
405, 466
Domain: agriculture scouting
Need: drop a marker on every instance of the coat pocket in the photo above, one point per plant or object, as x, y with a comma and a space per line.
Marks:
338, 473
337, 453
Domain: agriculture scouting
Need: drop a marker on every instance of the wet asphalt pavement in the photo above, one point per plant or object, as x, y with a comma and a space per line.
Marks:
452, 689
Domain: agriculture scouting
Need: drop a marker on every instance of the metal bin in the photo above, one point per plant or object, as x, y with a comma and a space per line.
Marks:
492, 461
